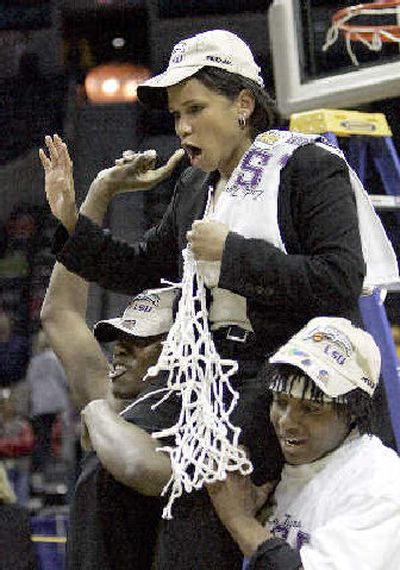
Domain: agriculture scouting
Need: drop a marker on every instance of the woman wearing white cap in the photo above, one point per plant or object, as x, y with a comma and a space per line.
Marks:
271, 217
286, 235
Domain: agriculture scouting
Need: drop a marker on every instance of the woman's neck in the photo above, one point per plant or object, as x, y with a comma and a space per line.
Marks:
219, 186
226, 172
229, 166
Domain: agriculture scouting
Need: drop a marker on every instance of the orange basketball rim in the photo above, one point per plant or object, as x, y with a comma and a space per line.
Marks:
373, 36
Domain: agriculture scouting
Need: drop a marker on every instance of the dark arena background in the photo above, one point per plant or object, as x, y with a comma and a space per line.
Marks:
72, 67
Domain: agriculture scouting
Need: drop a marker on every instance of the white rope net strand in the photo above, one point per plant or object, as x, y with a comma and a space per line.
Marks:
206, 442
356, 31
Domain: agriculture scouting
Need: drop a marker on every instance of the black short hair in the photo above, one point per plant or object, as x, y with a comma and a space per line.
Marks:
265, 114
355, 406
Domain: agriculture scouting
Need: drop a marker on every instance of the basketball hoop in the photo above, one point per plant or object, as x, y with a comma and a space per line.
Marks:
371, 36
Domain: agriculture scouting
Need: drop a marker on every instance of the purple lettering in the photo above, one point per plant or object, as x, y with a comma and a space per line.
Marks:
302, 539
252, 168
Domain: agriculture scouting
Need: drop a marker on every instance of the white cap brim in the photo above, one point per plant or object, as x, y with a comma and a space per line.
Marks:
149, 314
152, 92
152, 325
320, 370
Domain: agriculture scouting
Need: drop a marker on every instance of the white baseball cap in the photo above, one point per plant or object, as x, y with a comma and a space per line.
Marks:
215, 48
336, 355
148, 314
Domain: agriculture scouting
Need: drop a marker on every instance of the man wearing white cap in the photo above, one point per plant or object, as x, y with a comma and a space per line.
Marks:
112, 523
337, 504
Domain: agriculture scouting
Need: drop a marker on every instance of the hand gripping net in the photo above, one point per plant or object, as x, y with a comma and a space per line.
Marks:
206, 442
372, 36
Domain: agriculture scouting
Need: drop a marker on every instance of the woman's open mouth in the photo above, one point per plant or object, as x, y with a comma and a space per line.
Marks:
193, 152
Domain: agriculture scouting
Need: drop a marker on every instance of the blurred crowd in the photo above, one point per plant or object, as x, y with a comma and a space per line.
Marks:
37, 422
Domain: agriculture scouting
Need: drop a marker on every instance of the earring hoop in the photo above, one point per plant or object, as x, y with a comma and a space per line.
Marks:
242, 120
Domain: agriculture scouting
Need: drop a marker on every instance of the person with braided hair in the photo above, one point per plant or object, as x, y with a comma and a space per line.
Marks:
337, 504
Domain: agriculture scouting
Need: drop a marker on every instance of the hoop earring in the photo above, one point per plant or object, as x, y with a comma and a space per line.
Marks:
242, 120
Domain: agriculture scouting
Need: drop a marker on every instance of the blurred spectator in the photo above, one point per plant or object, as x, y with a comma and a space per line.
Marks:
3, 240
16, 445
16, 552
49, 401
32, 105
19, 236
14, 345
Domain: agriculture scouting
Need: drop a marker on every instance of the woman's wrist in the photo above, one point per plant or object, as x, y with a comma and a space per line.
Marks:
70, 222
97, 200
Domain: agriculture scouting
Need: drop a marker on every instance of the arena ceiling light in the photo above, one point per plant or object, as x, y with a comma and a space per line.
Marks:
115, 82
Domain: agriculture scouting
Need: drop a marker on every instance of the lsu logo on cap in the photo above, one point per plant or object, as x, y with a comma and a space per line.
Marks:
143, 308
142, 303
336, 355
152, 299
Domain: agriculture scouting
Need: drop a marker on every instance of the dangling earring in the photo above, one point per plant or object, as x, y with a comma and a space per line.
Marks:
242, 120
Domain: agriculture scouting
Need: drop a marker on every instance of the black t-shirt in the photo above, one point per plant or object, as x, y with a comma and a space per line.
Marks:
16, 550
112, 527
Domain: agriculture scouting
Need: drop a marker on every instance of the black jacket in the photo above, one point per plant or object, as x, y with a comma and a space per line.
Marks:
321, 275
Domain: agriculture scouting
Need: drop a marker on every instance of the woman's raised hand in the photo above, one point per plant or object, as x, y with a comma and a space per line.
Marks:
59, 182
135, 171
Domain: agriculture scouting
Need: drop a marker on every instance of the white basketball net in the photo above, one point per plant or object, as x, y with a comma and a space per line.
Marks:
356, 32
206, 442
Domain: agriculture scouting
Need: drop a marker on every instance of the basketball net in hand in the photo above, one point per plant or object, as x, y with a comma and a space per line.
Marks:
206, 442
